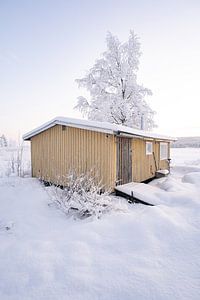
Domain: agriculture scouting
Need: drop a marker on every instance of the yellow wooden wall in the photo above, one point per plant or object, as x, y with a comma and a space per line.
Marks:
55, 152
143, 166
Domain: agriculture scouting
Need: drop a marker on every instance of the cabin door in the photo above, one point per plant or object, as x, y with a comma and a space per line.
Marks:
124, 160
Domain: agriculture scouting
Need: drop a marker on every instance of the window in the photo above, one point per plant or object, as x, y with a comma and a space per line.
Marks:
163, 151
149, 148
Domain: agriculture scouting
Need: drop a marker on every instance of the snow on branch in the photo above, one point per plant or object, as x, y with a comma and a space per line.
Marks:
82, 195
115, 95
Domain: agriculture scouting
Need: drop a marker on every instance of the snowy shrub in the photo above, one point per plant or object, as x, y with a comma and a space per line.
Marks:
82, 195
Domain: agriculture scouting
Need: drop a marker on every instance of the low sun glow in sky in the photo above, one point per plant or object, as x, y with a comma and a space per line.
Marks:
46, 45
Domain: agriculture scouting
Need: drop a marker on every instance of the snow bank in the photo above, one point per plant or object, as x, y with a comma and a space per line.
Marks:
193, 177
145, 253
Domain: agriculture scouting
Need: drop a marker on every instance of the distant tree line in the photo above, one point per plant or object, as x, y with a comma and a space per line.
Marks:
3, 141
187, 142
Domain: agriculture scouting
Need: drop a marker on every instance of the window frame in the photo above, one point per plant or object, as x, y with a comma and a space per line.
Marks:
164, 155
149, 152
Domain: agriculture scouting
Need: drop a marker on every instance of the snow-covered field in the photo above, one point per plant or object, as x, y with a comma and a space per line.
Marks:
143, 253
12, 158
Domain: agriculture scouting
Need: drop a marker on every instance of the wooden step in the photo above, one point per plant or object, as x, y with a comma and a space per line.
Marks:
141, 192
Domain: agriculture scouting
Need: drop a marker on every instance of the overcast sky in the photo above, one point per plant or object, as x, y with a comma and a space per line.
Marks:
45, 45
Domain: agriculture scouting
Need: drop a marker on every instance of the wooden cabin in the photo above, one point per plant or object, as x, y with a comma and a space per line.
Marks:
120, 154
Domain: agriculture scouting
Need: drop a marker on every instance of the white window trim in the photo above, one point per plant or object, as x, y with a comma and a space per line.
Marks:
163, 156
149, 152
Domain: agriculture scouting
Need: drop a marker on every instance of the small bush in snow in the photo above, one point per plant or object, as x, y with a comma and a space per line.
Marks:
6, 226
81, 195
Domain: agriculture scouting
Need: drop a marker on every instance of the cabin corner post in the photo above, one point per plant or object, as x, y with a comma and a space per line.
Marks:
31, 149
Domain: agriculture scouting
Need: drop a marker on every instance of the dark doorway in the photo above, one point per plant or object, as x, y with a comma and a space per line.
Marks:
124, 160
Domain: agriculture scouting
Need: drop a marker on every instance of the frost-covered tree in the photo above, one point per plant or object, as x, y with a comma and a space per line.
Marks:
115, 95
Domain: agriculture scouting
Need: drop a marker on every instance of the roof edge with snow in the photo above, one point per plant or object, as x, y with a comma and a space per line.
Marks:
96, 126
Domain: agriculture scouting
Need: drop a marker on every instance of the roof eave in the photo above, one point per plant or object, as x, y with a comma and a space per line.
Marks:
93, 127
149, 137
30, 134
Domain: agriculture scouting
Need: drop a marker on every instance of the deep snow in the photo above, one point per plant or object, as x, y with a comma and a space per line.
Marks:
143, 253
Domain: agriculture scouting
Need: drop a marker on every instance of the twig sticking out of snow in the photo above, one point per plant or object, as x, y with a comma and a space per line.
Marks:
6, 226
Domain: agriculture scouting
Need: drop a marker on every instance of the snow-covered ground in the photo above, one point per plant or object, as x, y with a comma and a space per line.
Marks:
185, 157
143, 253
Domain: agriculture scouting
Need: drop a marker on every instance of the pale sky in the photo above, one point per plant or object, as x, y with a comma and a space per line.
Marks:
45, 45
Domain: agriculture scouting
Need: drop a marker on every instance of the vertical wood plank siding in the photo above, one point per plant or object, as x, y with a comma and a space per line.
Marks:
144, 166
58, 150
55, 152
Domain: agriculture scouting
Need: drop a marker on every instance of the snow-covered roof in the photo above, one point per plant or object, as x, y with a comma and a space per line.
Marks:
96, 126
